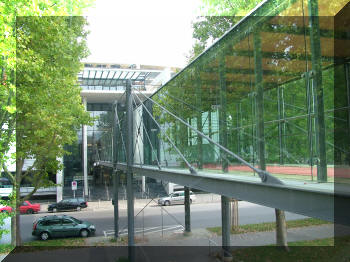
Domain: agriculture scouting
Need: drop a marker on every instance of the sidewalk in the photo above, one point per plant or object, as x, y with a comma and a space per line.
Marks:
201, 237
200, 245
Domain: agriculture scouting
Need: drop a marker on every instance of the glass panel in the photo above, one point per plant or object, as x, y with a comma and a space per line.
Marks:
260, 92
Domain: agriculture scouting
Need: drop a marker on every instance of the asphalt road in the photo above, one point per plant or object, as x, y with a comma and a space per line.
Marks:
202, 215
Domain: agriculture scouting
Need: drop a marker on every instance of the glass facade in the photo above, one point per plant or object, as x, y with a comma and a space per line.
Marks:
265, 91
99, 148
274, 91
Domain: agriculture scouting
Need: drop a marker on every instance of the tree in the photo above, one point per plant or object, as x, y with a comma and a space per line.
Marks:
218, 17
36, 62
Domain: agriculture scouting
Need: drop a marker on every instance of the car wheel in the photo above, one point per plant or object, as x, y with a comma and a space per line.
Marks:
84, 233
30, 211
166, 203
54, 210
78, 208
44, 236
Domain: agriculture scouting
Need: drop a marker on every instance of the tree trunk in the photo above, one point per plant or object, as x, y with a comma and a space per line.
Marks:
13, 230
281, 229
17, 186
234, 216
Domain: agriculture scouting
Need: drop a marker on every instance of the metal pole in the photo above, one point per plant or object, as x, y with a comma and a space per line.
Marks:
316, 75
238, 116
143, 224
116, 203
85, 157
226, 227
198, 92
222, 113
347, 79
259, 100
115, 132
281, 231
187, 210
280, 135
129, 175
161, 212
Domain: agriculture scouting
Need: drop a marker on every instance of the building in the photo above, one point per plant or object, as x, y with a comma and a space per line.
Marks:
102, 85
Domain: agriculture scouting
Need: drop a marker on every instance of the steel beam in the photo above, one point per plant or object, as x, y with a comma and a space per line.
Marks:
129, 172
308, 199
187, 210
316, 58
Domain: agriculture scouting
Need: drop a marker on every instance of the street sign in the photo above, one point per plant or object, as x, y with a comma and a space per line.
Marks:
74, 185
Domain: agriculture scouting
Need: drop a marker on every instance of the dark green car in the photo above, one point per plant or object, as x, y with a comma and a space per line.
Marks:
61, 226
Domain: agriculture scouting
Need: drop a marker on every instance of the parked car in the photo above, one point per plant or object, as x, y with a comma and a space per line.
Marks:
61, 226
176, 198
29, 208
5, 209
68, 204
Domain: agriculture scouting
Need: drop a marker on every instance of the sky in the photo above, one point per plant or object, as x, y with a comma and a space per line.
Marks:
152, 32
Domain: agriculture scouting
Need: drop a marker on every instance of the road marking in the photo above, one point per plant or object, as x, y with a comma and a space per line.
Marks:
147, 230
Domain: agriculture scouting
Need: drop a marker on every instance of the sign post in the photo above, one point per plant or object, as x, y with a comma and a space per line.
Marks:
74, 187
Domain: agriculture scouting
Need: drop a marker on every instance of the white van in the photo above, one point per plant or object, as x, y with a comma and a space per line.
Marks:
177, 197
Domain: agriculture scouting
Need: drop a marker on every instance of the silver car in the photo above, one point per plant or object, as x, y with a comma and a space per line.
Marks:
176, 198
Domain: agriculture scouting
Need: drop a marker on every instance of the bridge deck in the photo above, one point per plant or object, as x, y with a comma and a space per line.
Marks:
326, 201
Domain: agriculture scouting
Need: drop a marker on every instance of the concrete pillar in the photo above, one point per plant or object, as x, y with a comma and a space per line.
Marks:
85, 158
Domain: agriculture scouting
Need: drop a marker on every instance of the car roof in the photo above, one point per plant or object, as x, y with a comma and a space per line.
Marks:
54, 217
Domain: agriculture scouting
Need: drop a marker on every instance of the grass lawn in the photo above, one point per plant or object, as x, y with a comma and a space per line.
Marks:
315, 250
6, 248
271, 226
58, 242
49, 244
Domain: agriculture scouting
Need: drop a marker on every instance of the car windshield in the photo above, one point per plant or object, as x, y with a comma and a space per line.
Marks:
76, 220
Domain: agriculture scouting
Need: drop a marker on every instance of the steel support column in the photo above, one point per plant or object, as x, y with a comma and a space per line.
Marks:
226, 227
316, 75
187, 210
85, 158
129, 175
259, 100
347, 80
281, 237
239, 125
222, 112
198, 91
116, 203
281, 124
115, 132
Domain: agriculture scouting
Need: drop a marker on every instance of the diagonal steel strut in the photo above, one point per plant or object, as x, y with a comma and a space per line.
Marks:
265, 176
190, 167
